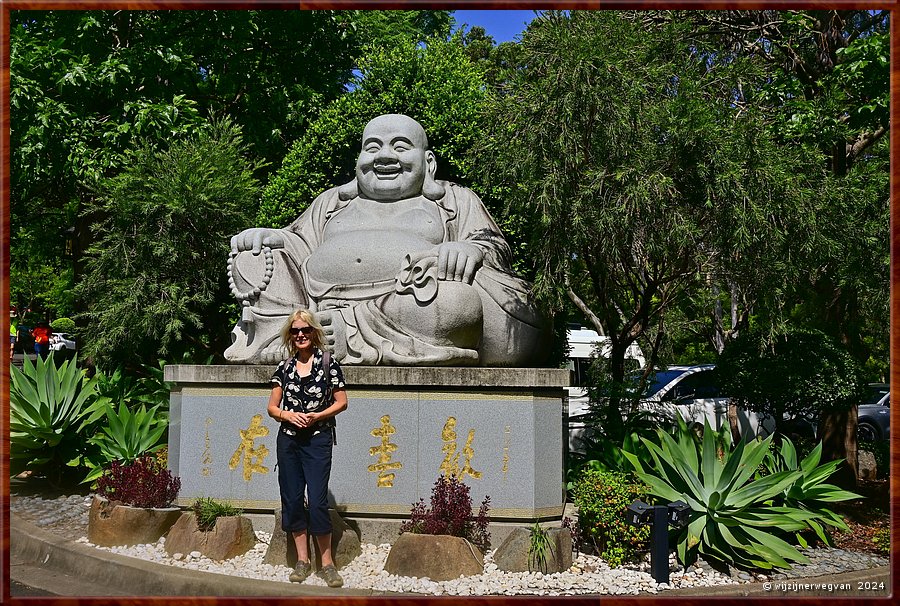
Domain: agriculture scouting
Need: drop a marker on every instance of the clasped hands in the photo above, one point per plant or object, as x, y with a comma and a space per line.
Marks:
302, 420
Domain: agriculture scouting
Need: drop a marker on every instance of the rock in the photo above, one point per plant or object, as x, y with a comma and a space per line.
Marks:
345, 545
439, 557
111, 524
513, 556
230, 537
865, 463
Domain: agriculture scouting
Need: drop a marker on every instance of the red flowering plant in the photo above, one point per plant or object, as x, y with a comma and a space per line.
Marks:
451, 513
143, 482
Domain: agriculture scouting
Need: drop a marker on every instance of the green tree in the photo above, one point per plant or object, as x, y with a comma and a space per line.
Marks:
434, 83
154, 273
626, 149
825, 86
798, 372
388, 28
87, 88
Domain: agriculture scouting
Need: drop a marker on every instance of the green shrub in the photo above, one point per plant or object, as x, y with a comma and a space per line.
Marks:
51, 411
127, 435
798, 372
539, 547
882, 540
208, 510
735, 518
809, 492
63, 325
602, 497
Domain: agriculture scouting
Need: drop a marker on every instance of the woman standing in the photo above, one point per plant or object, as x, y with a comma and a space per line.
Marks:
305, 398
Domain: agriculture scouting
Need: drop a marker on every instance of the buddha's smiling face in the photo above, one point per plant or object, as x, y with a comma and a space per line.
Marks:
394, 159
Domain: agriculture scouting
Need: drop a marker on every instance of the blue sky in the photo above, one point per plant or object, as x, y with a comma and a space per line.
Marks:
502, 25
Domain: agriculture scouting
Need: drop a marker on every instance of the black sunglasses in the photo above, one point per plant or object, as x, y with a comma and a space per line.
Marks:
307, 330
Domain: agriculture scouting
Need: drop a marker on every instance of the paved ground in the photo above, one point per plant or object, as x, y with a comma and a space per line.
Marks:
43, 563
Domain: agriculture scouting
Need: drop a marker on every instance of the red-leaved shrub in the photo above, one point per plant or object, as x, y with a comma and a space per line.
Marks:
451, 513
139, 483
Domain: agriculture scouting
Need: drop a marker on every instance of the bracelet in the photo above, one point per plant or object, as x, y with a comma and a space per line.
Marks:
280, 415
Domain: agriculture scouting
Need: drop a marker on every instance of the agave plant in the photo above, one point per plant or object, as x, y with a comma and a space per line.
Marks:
733, 518
127, 435
49, 412
809, 492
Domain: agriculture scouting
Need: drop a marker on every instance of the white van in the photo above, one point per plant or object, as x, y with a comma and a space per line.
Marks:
584, 345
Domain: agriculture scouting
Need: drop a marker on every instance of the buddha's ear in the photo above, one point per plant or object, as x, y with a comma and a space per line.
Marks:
431, 189
431, 162
348, 191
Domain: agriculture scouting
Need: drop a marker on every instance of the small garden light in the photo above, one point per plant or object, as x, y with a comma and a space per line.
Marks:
659, 517
639, 513
679, 513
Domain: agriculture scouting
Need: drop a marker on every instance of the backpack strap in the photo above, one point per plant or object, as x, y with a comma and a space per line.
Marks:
326, 366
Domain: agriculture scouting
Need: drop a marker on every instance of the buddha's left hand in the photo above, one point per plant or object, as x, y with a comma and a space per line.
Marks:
458, 261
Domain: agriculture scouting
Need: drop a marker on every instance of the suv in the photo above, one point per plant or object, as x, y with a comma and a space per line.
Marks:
693, 392
874, 419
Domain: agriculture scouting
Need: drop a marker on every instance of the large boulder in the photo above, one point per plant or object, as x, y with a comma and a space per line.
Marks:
513, 554
345, 545
230, 537
438, 557
112, 524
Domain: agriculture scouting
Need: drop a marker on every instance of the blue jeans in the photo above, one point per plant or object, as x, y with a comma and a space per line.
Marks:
304, 465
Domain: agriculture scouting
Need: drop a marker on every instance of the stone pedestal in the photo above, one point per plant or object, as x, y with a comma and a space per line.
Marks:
499, 429
112, 524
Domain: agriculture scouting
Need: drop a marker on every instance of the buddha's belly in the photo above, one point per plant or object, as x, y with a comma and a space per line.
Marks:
359, 257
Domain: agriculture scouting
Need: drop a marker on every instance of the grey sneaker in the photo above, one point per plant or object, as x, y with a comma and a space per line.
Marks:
300, 572
331, 576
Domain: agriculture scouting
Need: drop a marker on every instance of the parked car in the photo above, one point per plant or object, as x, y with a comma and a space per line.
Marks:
61, 340
874, 417
693, 392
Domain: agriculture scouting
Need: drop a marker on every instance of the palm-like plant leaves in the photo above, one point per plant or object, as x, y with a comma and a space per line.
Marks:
127, 435
735, 517
46, 405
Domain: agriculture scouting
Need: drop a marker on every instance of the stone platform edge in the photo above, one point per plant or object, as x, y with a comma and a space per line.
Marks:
407, 376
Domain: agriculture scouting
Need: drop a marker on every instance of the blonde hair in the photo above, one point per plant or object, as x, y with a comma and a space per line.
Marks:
317, 337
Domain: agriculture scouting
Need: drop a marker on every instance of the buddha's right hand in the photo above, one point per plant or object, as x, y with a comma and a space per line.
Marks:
255, 238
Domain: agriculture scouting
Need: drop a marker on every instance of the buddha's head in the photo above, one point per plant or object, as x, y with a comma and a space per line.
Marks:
394, 162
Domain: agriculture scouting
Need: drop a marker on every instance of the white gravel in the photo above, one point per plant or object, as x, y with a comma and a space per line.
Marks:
588, 574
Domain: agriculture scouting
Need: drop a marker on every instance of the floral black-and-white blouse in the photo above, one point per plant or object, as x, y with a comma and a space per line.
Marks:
310, 393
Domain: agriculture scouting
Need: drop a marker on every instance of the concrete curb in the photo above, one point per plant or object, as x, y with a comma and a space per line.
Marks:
122, 575
40, 552
843, 585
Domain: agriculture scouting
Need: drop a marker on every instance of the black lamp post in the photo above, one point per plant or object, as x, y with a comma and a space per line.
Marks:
659, 517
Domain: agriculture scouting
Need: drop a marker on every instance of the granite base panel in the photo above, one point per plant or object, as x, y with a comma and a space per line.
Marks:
503, 440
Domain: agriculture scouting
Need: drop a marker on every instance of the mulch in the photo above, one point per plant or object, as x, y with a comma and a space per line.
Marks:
864, 517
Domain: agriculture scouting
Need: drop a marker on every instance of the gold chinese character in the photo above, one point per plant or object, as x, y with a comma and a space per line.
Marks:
384, 464
253, 457
505, 467
450, 464
206, 454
